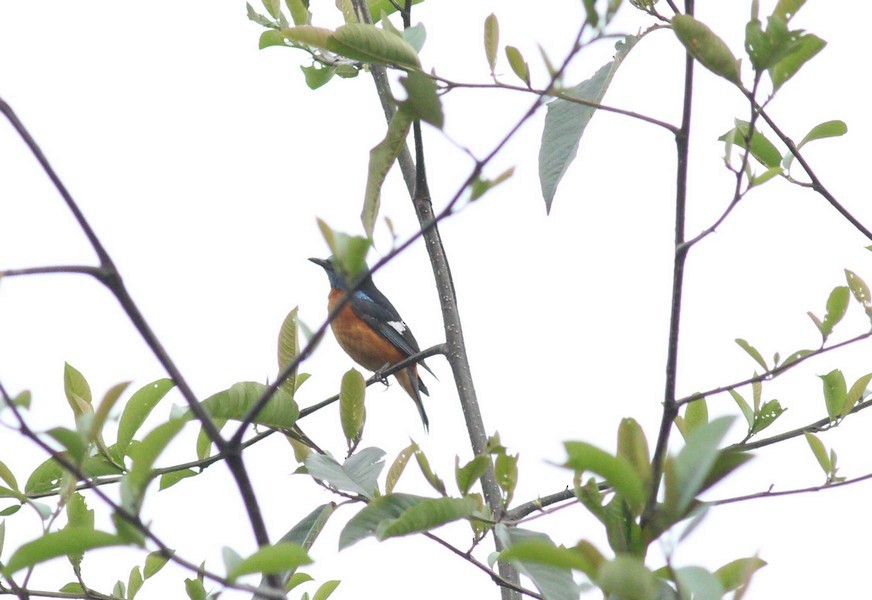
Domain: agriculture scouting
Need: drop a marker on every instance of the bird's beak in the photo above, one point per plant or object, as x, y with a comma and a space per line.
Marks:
325, 264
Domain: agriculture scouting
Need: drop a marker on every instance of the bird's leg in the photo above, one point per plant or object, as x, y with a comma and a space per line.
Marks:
379, 374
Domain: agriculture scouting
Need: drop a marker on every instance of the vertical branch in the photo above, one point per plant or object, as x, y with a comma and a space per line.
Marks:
670, 407
416, 182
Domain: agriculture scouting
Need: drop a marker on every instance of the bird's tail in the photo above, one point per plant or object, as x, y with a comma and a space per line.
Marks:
413, 385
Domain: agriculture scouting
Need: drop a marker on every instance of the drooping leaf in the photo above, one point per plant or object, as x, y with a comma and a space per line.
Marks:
747, 411
820, 452
415, 35
546, 553
317, 75
554, 582
381, 159
398, 466
154, 562
271, 559
352, 410
168, 480
753, 353
706, 47
860, 291
427, 471
299, 10
368, 43
761, 148
467, 475
358, 474
422, 102
426, 515
144, 455
802, 50
566, 122
835, 393
626, 576
697, 583
365, 523
59, 543
694, 462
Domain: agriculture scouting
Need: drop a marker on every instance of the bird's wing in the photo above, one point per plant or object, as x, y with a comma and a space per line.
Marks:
380, 314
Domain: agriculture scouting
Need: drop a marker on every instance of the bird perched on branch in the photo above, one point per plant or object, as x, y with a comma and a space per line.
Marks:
371, 331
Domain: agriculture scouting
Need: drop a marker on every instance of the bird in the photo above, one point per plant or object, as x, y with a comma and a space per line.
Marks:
370, 330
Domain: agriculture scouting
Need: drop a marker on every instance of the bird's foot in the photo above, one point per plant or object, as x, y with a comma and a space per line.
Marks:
380, 374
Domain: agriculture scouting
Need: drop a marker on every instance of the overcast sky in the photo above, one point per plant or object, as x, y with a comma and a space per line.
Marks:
202, 163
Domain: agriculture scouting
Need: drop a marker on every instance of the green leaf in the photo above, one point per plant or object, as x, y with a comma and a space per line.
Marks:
352, 410
546, 553
801, 51
837, 305
518, 64
616, 470
761, 148
281, 411
824, 130
695, 415
307, 35
491, 40
767, 414
134, 583
706, 47
426, 515
72, 541
137, 410
506, 474
273, 7
415, 35
78, 513
381, 159
170, 479
820, 452
424, 465
269, 38
835, 393
317, 75
288, 349
384, 8
860, 291
326, 589
299, 10
309, 528
77, 390
855, 394
384, 508
272, 559
693, 464
195, 589
752, 352
736, 574
467, 475
144, 455
627, 577
422, 101
566, 121
349, 252
697, 583
786, 9
398, 466
358, 474
480, 186
555, 583
747, 411
257, 17
633, 446
154, 562
367, 43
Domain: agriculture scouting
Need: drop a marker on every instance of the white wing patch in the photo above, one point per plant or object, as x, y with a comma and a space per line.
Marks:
398, 325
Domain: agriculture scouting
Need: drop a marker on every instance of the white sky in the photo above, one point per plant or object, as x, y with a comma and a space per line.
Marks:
202, 164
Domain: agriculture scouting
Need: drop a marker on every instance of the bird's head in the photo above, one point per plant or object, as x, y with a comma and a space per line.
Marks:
337, 279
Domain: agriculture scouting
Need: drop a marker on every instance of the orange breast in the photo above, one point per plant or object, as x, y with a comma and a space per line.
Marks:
359, 341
